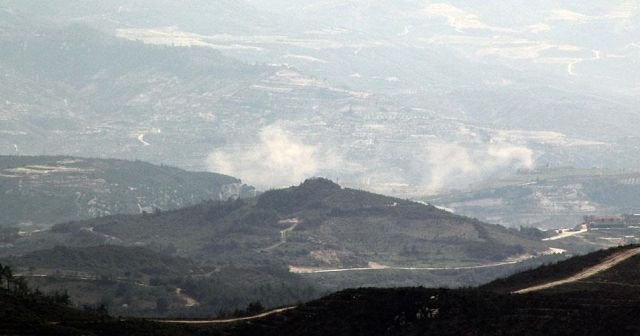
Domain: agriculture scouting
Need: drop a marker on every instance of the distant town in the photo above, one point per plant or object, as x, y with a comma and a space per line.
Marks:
612, 222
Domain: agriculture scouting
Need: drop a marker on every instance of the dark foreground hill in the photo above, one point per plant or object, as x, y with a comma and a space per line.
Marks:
605, 303
420, 311
54, 189
35, 314
586, 309
137, 281
611, 270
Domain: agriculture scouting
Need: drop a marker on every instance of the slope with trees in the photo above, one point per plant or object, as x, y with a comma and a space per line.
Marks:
46, 190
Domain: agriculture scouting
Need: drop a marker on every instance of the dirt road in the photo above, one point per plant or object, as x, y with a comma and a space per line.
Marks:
306, 270
377, 267
254, 317
284, 234
188, 300
566, 233
606, 264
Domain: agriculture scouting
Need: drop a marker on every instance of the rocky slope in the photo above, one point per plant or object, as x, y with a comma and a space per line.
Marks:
41, 190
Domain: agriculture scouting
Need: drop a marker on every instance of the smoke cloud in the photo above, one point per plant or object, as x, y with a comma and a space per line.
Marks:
455, 166
278, 159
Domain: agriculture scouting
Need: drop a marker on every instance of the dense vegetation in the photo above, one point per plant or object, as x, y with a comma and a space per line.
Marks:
107, 260
136, 281
330, 221
24, 311
554, 271
420, 311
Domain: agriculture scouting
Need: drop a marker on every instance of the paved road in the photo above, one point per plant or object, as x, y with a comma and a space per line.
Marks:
606, 264
565, 233
303, 270
254, 317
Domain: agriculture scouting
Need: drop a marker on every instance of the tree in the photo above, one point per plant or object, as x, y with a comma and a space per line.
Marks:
254, 308
62, 298
162, 305
6, 276
20, 286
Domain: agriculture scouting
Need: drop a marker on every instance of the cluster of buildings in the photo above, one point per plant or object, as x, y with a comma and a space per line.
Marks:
612, 222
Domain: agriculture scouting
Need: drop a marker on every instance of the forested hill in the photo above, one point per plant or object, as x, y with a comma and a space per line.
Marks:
52, 189
315, 225
275, 248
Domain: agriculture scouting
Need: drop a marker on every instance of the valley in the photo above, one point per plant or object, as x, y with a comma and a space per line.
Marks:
547, 198
305, 239
610, 284
276, 167
231, 99
302, 240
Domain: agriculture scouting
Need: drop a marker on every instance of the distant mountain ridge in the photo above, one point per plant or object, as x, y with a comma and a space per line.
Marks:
191, 84
45, 190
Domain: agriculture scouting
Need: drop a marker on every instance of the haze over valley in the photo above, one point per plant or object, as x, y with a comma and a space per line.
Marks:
242, 167
374, 95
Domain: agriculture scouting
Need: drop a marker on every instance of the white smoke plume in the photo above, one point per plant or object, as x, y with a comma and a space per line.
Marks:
278, 159
455, 166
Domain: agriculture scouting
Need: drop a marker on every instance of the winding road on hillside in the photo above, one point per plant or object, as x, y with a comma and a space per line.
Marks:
566, 233
304, 270
284, 233
188, 300
378, 267
231, 320
606, 264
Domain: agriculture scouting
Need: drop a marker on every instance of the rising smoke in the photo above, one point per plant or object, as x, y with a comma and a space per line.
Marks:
278, 159
451, 165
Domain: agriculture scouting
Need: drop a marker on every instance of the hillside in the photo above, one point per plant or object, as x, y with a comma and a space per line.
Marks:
25, 311
291, 244
621, 276
316, 225
421, 311
193, 85
590, 309
74, 90
136, 281
45, 190
548, 198
401, 312
602, 304
110, 260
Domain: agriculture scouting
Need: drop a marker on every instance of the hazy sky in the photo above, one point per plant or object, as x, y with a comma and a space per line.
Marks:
421, 95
